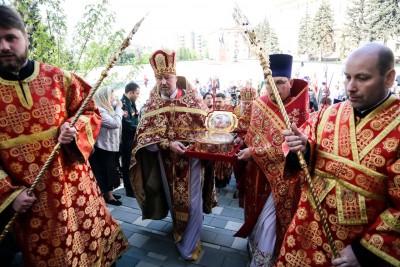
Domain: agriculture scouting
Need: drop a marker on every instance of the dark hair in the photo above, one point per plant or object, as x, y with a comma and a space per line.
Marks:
11, 19
220, 95
131, 87
385, 60
208, 93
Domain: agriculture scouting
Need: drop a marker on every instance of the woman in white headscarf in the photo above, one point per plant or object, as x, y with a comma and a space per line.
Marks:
104, 158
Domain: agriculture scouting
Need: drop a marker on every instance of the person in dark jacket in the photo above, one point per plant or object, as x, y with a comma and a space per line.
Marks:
130, 121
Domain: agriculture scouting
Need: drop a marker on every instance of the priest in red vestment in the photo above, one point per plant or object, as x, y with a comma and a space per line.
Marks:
65, 222
354, 149
268, 199
162, 177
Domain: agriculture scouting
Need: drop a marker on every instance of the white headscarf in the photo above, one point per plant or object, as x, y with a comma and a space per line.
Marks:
101, 98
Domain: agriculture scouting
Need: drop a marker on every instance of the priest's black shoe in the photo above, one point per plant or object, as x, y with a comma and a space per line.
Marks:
114, 202
117, 197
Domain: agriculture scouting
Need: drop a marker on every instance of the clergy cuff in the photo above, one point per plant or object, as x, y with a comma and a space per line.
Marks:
365, 257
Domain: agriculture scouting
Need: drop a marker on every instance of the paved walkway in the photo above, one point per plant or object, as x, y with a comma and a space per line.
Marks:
152, 240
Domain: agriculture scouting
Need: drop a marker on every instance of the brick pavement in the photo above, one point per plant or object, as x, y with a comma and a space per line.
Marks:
152, 240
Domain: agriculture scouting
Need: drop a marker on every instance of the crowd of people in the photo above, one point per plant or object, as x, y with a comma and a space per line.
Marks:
341, 209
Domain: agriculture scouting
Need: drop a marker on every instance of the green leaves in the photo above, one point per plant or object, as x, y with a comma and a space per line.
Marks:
371, 20
268, 37
322, 31
90, 46
305, 33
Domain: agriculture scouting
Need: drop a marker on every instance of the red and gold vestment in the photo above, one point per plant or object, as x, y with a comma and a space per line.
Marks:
68, 224
164, 121
357, 180
264, 124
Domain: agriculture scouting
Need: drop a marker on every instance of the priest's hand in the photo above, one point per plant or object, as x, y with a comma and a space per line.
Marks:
67, 133
295, 139
177, 147
347, 258
23, 202
238, 141
244, 154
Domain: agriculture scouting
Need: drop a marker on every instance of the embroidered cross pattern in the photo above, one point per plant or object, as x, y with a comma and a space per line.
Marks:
27, 152
45, 111
14, 119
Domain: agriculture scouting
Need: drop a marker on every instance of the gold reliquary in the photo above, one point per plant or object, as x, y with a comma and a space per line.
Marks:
216, 143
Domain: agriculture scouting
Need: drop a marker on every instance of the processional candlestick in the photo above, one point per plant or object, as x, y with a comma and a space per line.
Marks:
87, 100
255, 44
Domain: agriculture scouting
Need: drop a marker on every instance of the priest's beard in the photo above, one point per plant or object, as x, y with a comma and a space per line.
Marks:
16, 64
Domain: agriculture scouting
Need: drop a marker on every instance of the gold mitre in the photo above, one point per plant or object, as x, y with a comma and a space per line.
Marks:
247, 94
163, 62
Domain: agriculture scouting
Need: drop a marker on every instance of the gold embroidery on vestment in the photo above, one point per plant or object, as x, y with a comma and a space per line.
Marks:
270, 114
351, 207
354, 165
3, 174
321, 125
361, 191
88, 129
29, 139
390, 220
337, 131
325, 182
378, 251
174, 109
387, 130
353, 138
26, 97
322, 186
181, 216
376, 112
196, 252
